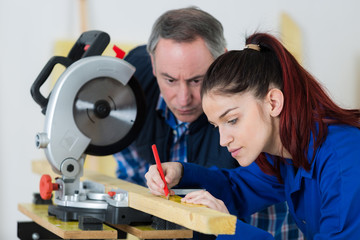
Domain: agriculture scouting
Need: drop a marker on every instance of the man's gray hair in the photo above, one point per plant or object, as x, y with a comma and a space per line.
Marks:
185, 25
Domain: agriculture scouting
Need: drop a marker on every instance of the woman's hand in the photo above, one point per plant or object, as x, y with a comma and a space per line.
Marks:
173, 172
205, 198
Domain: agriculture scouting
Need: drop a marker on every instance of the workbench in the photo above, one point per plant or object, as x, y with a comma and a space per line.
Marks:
65, 230
194, 217
70, 230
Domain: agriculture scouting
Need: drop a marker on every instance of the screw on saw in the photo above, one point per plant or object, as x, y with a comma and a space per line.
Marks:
46, 187
102, 109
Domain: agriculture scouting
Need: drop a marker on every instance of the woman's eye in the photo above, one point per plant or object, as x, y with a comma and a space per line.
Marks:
232, 121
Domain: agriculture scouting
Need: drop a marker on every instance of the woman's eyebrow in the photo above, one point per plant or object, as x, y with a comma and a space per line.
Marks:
226, 112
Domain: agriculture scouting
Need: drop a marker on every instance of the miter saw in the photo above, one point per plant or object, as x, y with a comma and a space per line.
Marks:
96, 107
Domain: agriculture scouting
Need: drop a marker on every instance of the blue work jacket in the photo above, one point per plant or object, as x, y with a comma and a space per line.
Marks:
324, 202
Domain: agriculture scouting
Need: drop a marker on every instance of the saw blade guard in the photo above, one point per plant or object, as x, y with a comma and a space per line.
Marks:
96, 107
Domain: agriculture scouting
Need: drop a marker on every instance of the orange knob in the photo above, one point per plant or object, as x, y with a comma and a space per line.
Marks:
46, 187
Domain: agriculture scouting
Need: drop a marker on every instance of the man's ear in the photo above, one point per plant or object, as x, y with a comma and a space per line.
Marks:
275, 98
153, 64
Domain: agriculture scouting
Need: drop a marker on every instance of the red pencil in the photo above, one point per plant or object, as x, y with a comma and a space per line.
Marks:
158, 164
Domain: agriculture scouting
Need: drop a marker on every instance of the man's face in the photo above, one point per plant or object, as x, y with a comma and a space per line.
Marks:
179, 69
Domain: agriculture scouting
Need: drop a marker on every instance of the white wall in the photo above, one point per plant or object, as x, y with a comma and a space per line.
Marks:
28, 30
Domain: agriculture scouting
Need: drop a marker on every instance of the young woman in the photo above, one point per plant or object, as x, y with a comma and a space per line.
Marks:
293, 142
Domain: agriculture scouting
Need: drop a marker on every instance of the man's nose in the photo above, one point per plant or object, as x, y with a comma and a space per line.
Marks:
184, 95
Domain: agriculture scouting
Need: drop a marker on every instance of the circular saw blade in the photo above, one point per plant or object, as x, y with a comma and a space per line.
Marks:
105, 111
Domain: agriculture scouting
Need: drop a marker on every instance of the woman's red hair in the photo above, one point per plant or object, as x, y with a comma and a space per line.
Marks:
306, 107
307, 110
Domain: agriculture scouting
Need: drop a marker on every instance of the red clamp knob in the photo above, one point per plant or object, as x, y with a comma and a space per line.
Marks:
111, 193
46, 187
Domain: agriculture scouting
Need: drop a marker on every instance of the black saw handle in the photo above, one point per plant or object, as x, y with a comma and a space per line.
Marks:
43, 76
90, 43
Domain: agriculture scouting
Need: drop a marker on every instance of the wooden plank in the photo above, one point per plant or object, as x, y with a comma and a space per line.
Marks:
105, 165
66, 230
147, 232
195, 217
39, 214
41, 167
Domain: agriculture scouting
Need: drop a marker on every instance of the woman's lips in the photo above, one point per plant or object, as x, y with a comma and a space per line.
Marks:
234, 152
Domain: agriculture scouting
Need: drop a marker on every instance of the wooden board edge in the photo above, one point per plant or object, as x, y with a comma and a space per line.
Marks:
140, 232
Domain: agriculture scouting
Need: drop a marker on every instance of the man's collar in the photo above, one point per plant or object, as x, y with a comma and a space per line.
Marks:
162, 107
165, 112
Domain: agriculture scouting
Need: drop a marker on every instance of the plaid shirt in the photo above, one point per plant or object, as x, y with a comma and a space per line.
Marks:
277, 221
132, 168
274, 219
